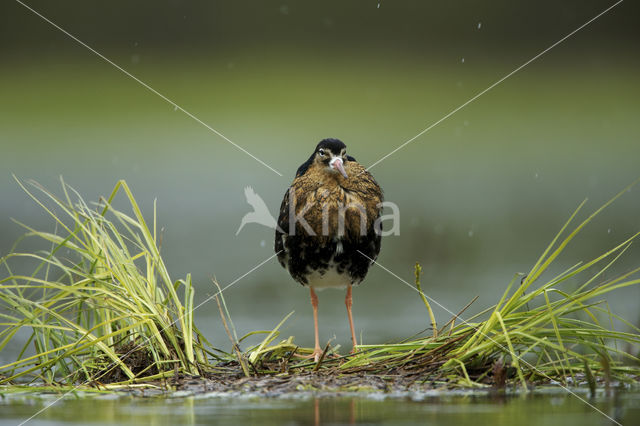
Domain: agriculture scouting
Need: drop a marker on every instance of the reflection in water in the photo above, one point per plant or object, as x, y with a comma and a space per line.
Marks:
342, 411
551, 407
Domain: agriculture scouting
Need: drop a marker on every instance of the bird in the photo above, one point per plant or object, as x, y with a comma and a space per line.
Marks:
260, 213
329, 232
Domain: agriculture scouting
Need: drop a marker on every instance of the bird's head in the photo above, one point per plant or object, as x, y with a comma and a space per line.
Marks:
331, 154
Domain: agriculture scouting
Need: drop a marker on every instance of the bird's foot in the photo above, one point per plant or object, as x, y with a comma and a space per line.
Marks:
315, 355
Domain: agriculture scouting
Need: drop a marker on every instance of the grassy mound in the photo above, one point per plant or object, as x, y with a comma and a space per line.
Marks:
100, 304
100, 307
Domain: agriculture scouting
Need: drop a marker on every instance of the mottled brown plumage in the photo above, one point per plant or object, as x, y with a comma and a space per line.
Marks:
327, 228
326, 193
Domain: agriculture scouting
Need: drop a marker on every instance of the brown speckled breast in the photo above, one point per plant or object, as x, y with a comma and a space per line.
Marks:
337, 251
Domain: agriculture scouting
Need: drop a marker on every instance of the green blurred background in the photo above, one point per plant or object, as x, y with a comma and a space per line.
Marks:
480, 195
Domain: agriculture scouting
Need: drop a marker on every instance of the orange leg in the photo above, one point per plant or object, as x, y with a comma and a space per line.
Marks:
316, 411
314, 302
348, 300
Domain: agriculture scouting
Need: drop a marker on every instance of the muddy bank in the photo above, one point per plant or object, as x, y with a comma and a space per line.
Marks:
330, 383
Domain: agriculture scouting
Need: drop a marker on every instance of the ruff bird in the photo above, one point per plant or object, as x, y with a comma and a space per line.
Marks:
328, 228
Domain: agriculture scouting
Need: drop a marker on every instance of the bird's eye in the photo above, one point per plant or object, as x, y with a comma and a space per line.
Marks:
321, 152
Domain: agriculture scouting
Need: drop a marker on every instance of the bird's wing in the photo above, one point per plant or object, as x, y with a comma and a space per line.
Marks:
282, 228
283, 216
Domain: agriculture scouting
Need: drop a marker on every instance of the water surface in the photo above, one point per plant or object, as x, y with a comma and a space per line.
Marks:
554, 406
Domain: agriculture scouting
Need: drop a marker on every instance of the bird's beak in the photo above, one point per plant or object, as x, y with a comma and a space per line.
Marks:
336, 163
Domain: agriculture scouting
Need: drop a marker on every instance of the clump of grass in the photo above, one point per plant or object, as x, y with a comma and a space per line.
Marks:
99, 304
560, 338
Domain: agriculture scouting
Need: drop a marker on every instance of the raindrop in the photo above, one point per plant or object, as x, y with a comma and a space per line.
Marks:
470, 233
263, 243
479, 25
175, 107
378, 5
462, 60
536, 175
609, 231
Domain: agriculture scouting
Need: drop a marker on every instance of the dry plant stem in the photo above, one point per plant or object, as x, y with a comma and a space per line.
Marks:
322, 356
453, 319
434, 325
348, 301
285, 364
245, 369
